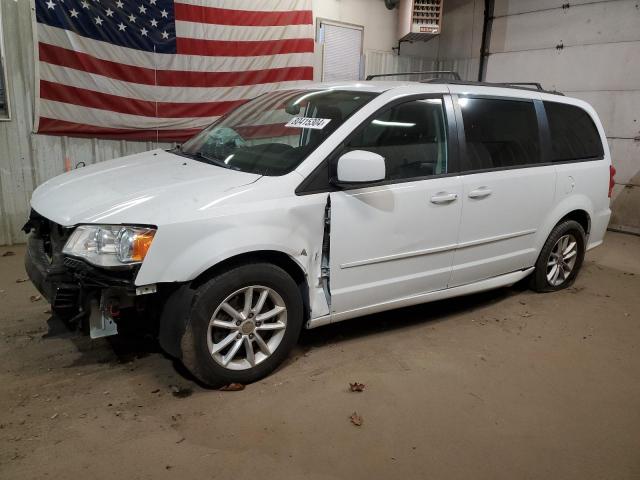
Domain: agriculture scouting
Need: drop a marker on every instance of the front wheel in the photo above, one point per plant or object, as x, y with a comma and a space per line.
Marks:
560, 258
242, 325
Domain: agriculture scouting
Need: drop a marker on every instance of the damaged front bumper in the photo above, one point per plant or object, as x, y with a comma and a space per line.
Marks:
79, 293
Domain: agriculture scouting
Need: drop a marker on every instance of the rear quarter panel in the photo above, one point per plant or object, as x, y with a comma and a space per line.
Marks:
581, 185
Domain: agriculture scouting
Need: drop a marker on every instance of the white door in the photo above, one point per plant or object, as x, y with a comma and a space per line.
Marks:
342, 51
507, 198
396, 240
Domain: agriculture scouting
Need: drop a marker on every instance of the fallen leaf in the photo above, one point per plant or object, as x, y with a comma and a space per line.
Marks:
35, 298
356, 387
21, 280
8, 254
356, 419
232, 387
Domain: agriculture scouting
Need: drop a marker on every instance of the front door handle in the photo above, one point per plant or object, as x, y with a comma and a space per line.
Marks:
444, 197
480, 192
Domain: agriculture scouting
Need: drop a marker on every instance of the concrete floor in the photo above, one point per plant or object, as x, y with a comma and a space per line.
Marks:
505, 385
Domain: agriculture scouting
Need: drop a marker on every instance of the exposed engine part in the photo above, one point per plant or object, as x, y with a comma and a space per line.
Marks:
104, 314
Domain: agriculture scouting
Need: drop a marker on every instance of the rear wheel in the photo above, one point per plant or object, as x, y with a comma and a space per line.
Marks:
561, 257
242, 325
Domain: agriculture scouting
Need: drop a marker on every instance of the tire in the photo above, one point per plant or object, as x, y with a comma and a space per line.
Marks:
562, 277
248, 329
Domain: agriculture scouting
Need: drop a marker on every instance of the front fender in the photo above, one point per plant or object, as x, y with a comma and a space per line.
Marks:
181, 252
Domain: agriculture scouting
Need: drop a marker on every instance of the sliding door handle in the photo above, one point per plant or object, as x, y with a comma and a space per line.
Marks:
480, 192
444, 197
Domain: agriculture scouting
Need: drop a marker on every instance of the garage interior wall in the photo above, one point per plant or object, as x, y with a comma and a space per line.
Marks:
584, 48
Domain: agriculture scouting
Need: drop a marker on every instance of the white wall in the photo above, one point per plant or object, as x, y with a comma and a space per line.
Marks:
380, 24
590, 50
599, 61
458, 46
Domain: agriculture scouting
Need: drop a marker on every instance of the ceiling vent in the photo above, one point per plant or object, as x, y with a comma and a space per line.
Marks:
419, 20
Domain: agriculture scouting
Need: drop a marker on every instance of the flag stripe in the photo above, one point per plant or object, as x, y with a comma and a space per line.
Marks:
52, 126
107, 118
252, 5
61, 127
169, 78
247, 18
193, 63
207, 31
221, 48
81, 79
266, 131
87, 63
114, 103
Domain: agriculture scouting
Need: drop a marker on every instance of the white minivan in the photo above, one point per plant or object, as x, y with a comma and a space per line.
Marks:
313, 205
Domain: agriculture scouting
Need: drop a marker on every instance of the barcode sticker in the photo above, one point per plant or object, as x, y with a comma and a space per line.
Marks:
306, 122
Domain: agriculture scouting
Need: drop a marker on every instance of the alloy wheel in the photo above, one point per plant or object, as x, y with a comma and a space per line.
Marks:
562, 259
247, 327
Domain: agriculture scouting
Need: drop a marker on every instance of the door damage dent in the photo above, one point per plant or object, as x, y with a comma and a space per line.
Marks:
326, 244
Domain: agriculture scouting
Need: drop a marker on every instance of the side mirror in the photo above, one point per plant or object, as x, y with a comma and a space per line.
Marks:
360, 166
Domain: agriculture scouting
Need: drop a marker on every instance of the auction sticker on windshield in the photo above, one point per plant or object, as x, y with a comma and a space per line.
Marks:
306, 122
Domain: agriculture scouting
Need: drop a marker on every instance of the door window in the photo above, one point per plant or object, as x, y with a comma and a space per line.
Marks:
499, 133
412, 138
574, 136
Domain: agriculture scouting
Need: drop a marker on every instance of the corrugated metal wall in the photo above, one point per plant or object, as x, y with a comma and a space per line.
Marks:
387, 62
26, 159
589, 50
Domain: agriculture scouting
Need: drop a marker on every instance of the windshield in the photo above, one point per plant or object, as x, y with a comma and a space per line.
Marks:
273, 133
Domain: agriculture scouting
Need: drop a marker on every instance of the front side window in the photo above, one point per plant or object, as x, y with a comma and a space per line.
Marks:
412, 138
272, 134
574, 136
499, 133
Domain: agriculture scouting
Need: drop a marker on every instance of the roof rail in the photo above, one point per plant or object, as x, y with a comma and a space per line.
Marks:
535, 85
454, 74
518, 85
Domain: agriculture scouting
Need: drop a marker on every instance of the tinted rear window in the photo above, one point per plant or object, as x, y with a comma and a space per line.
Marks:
574, 136
499, 133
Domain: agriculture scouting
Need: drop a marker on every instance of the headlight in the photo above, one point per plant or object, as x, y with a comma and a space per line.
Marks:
110, 245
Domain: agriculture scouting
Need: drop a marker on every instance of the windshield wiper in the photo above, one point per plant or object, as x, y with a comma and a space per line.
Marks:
211, 160
201, 157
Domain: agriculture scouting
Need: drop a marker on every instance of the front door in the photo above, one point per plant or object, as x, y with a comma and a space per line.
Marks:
396, 239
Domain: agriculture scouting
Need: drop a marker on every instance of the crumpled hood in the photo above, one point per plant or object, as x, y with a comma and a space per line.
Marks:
152, 188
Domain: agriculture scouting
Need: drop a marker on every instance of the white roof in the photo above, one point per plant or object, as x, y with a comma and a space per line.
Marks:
365, 85
380, 86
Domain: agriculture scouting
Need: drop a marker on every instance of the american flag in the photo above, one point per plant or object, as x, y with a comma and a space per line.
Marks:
163, 69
